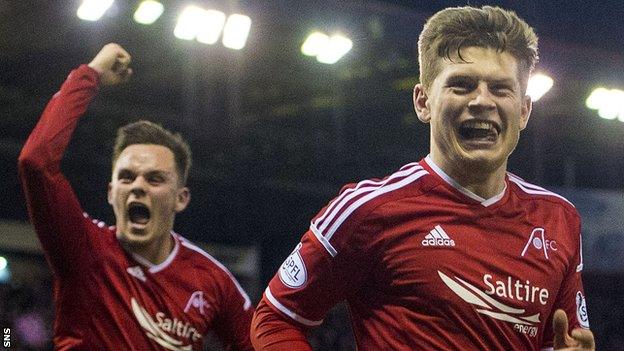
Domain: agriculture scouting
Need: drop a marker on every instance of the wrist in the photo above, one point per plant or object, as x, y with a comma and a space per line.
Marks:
96, 68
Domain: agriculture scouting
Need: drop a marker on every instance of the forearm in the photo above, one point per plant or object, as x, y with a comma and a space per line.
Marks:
270, 331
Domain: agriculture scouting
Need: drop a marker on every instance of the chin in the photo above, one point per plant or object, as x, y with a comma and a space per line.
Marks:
483, 159
134, 237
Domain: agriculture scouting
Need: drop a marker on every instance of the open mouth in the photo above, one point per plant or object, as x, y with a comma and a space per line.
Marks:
138, 213
479, 130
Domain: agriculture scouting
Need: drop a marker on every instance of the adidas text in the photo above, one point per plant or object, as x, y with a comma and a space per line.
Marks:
438, 237
438, 242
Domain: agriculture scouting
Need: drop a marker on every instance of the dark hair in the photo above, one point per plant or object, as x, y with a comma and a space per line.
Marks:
452, 29
146, 132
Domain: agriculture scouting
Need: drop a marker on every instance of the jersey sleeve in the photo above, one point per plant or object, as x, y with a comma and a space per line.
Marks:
235, 315
52, 205
327, 265
571, 295
271, 331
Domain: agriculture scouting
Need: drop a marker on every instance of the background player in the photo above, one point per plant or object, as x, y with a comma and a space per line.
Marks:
451, 252
138, 285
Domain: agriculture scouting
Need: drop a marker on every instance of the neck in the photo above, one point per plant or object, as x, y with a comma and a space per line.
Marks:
481, 180
156, 252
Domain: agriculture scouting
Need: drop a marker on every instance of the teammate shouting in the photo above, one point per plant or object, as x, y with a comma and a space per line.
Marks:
137, 285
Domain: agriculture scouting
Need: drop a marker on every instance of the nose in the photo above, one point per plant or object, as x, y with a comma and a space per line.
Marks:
138, 186
482, 99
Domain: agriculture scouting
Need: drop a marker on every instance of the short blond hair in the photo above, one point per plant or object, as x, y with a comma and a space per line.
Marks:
455, 28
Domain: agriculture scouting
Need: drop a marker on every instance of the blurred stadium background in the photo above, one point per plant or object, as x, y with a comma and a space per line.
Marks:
276, 133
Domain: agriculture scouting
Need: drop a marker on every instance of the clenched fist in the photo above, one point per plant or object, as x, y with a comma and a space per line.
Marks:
113, 64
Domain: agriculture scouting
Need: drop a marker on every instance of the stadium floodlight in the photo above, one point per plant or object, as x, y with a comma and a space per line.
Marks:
93, 10
211, 27
200, 24
337, 47
597, 98
539, 84
236, 31
315, 42
189, 23
148, 12
5, 274
608, 102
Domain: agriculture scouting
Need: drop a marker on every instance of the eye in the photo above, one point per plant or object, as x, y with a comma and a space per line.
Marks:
461, 86
155, 179
501, 89
125, 177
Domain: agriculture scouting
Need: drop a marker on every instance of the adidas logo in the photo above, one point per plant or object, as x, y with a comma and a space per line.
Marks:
437, 237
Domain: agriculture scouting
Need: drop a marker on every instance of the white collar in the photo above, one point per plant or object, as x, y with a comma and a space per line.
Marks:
153, 268
461, 189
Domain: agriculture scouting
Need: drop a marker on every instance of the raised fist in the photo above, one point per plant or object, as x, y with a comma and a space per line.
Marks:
113, 64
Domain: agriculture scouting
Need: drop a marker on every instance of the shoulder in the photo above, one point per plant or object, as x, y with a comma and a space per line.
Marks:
358, 201
200, 257
99, 228
541, 196
216, 271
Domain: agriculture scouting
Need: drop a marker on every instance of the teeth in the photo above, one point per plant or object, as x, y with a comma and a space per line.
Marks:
479, 125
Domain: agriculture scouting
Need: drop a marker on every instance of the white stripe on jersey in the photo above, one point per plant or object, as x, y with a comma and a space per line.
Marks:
371, 195
409, 165
366, 185
580, 265
534, 189
326, 244
288, 312
186, 243
408, 174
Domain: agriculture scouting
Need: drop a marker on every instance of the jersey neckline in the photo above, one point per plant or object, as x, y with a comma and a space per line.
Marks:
155, 268
458, 187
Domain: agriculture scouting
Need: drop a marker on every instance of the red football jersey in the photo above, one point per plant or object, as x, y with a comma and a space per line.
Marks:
425, 264
107, 298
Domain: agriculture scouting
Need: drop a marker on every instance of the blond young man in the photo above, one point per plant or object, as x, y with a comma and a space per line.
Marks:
452, 252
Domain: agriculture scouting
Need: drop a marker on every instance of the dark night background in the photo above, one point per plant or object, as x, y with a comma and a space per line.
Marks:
276, 134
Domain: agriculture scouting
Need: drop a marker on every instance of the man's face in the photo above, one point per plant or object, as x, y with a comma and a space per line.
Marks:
476, 109
145, 194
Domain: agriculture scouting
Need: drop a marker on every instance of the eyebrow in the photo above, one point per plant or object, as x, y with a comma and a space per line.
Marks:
148, 173
462, 77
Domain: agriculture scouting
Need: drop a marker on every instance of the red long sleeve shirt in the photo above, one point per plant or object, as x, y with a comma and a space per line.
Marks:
425, 264
105, 297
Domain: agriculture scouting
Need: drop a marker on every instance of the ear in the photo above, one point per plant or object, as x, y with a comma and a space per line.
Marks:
183, 199
525, 113
109, 194
421, 104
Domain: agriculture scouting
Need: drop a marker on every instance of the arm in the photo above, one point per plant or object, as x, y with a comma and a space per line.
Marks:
323, 270
271, 331
307, 285
53, 207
